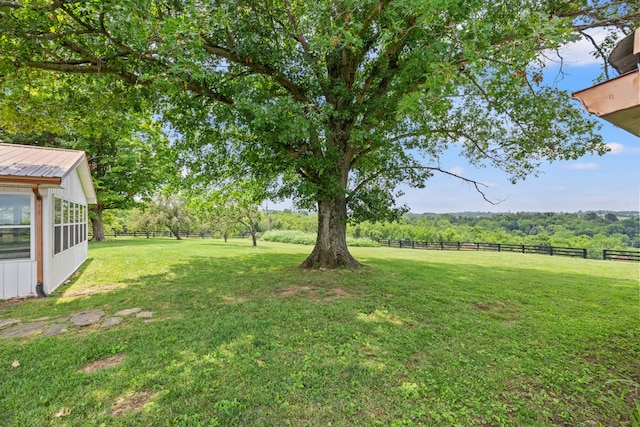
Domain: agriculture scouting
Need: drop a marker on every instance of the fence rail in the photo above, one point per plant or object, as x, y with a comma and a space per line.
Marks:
607, 254
615, 255
156, 234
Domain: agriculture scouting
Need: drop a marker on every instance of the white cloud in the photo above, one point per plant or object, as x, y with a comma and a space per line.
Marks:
582, 166
616, 148
579, 53
457, 170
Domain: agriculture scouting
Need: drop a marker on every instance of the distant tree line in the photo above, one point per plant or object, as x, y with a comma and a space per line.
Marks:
588, 230
603, 230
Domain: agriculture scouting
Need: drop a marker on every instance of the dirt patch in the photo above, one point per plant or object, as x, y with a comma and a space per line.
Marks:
132, 402
497, 306
105, 363
100, 289
505, 311
314, 293
15, 301
295, 290
335, 293
237, 299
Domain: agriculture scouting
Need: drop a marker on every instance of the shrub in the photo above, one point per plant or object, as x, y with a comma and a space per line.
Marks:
301, 238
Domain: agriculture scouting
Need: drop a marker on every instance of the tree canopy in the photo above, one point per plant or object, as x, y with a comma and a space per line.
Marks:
127, 150
331, 103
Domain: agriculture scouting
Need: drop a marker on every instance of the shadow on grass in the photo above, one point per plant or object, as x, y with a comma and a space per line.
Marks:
243, 340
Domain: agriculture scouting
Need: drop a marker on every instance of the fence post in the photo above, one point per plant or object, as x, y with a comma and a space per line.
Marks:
499, 247
413, 244
584, 253
442, 246
522, 248
550, 250
604, 254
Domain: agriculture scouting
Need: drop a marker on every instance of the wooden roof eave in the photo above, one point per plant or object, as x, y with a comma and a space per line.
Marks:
14, 179
616, 101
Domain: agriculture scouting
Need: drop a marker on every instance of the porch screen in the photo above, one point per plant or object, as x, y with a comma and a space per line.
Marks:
15, 226
69, 224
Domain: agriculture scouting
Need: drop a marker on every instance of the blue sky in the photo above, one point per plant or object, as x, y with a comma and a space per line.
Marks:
609, 182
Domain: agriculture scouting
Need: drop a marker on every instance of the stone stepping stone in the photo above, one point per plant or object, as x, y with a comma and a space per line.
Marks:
23, 330
128, 311
8, 322
87, 318
111, 321
55, 330
145, 314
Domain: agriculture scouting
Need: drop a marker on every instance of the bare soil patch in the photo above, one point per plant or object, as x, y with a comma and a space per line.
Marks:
506, 311
132, 402
15, 301
335, 293
107, 362
100, 289
315, 293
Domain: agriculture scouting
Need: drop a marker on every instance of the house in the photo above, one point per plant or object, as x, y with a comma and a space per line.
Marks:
44, 193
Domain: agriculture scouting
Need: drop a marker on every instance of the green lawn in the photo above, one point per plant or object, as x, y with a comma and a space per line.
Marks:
241, 336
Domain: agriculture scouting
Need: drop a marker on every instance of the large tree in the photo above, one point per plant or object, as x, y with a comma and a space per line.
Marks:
127, 149
332, 103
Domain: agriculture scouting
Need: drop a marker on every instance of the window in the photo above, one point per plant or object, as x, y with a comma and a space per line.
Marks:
69, 223
15, 226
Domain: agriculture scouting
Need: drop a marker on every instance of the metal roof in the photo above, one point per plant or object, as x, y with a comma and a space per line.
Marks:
40, 165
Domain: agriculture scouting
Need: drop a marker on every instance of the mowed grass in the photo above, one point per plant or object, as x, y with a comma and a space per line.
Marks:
242, 337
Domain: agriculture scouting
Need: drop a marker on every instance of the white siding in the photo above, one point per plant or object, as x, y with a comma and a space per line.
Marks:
60, 266
19, 277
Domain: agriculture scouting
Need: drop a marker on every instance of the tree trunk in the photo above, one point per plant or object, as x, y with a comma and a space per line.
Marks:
331, 250
96, 224
176, 233
253, 237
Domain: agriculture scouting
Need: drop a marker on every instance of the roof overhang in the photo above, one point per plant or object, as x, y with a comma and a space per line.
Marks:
53, 181
616, 101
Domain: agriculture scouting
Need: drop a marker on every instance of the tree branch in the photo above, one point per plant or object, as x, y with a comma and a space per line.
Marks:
476, 184
259, 68
600, 52
363, 183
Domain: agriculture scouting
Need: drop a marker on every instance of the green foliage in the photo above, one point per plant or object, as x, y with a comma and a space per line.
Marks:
302, 238
229, 208
169, 210
552, 229
330, 104
128, 151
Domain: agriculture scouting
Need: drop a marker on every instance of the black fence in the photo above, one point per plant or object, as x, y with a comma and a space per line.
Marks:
156, 234
607, 254
502, 247
614, 255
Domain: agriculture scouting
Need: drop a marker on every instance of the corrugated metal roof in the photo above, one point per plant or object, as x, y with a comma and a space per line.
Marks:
37, 162
41, 165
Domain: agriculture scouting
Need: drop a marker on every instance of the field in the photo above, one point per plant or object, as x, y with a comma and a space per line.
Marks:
239, 336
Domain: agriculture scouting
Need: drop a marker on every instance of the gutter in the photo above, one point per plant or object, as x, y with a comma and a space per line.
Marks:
39, 243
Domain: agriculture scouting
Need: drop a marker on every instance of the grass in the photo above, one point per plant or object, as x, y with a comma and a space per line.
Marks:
302, 238
243, 337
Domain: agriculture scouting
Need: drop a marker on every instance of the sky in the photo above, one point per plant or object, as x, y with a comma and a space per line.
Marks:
591, 183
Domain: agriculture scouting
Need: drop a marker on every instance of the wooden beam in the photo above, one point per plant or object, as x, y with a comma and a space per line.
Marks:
616, 100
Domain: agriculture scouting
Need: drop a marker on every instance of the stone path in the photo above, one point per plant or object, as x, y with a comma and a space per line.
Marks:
14, 328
